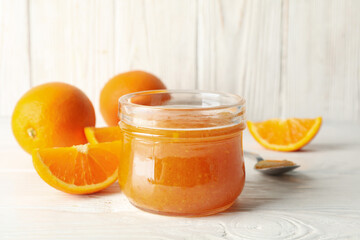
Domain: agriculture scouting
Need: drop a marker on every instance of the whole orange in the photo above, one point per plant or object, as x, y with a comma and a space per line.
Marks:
52, 115
124, 83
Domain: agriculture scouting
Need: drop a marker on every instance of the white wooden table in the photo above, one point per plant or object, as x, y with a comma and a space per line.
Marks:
321, 200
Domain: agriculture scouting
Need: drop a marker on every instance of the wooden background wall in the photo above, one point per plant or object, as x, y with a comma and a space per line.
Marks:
287, 57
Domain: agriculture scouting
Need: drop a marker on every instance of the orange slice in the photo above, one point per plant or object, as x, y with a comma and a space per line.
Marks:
80, 169
104, 134
285, 135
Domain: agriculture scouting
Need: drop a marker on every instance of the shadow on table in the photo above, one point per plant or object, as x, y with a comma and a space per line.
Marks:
261, 190
320, 147
112, 189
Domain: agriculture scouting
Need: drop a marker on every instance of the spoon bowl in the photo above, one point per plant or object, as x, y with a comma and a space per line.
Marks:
278, 170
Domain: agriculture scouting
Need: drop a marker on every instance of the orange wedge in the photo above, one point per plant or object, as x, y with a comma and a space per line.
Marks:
105, 134
285, 135
80, 169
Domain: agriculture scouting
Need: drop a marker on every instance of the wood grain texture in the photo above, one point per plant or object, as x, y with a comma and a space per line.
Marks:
323, 57
320, 200
14, 53
288, 58
239, 51
73, 42
159, 37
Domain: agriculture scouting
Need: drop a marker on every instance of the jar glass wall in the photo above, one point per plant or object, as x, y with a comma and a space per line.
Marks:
182, 151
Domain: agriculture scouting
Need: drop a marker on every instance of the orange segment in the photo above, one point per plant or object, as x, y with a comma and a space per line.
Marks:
285, 135
80, 169
105, 134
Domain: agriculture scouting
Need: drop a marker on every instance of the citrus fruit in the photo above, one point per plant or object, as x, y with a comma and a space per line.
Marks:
52, 115
104, 134
285, 135
80, 169
120, 85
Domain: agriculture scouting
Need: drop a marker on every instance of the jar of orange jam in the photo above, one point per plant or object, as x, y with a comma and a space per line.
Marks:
182, 151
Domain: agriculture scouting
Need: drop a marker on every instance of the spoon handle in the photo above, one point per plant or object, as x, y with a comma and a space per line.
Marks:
255, 156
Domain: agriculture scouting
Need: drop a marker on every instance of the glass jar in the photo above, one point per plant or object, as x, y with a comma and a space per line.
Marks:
182, 152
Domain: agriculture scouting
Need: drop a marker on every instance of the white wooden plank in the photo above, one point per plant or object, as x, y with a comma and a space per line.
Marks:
14, 53
239, 52
7, 138
323, 57
305, 204
72, 41
159, 37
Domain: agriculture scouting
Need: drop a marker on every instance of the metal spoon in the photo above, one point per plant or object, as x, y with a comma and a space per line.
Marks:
270, 170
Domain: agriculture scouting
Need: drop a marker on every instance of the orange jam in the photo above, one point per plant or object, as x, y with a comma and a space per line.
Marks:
182, 152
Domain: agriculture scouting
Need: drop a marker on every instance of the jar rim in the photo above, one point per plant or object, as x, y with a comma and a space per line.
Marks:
126, 100
181, 109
